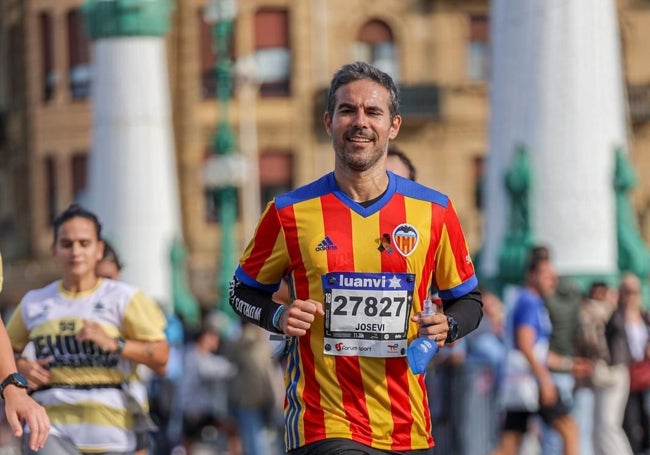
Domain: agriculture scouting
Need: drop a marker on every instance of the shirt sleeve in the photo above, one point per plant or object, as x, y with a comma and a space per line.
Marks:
17, 330
143, 319
454, 273
265, 260
524, 312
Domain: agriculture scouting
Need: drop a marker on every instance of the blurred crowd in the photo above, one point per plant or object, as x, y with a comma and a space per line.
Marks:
223, 390
595, 358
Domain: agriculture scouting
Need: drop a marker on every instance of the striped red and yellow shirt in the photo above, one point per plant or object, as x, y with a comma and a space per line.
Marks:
316, 230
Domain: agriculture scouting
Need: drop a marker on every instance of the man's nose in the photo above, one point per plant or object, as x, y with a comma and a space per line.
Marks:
360, 119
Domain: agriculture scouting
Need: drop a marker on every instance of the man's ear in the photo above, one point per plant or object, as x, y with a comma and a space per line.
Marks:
328, 123
394, 128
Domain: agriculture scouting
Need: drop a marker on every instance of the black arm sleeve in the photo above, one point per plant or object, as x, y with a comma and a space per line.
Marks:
468, 311
253, 305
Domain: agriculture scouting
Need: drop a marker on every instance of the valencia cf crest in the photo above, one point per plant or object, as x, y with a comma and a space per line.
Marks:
405, 239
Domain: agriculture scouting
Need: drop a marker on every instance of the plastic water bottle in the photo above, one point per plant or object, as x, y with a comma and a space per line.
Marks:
422, 349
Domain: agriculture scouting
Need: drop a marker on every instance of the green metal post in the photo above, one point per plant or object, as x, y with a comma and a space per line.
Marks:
224, 145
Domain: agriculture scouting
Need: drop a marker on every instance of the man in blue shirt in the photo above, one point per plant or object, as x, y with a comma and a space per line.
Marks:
529, 387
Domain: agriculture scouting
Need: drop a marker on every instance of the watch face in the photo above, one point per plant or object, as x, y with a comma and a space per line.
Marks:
16, 379
19, 380
453, 328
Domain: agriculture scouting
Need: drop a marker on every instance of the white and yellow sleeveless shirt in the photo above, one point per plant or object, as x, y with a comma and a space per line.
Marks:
95, 419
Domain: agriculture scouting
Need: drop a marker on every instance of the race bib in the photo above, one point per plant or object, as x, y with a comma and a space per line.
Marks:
367, 314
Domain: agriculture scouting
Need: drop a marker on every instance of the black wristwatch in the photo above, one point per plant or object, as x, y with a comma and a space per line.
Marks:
452, 335
16, 379
121, 342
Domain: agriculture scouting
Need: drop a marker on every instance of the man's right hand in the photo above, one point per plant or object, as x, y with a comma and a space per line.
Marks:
299, 316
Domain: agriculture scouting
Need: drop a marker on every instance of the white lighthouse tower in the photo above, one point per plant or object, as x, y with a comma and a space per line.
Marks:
133, 179
558, 116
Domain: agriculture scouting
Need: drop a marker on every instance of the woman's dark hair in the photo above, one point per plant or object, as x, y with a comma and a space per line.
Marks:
357, 71
76, 211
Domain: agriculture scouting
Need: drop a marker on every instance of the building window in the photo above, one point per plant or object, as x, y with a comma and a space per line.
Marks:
50, 195
276, 175
47, 56
79, 56
16, 86
79, 175
212, 197
479, 182
272, 52
209, 55
208, 58
375, 45
478, 54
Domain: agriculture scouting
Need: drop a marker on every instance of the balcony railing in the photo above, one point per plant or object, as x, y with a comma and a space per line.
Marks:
420, 102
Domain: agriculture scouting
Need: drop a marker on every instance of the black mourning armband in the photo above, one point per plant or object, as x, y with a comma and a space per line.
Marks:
255, 306
466, 310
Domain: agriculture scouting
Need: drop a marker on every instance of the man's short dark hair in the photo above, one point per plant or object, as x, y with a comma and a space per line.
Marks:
358, 71
537, 255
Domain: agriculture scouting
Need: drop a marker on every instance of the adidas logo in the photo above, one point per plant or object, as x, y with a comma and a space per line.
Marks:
326, 244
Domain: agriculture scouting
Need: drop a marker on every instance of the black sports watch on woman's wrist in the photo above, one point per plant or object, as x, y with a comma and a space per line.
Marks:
16, 379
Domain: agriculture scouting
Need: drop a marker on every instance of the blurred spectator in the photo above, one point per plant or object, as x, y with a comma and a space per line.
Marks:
204, 392
256, 391
563, 308
443, 379
591, 344
164, 394
636, 420
612, 383
482, 371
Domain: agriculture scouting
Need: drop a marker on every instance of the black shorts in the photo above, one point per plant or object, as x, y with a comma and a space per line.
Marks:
518, 420
193, 425
339, 446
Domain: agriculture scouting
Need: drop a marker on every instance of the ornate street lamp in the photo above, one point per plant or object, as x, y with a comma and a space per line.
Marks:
225, 170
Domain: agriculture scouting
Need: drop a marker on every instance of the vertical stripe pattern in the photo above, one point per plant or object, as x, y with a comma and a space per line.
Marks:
316, 230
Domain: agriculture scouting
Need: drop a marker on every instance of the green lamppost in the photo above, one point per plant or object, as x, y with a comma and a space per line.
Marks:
225, 170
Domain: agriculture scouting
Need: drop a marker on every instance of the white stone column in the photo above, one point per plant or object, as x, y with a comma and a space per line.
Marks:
133, 176
557, 88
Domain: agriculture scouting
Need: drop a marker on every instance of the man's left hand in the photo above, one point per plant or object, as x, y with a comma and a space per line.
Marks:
434, 327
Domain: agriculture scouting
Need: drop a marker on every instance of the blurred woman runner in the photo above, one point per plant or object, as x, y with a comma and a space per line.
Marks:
87, 331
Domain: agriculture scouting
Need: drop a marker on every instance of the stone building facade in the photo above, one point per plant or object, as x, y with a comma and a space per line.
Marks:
437, 50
